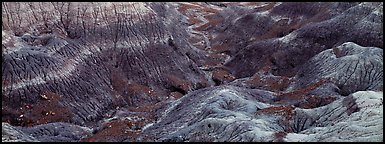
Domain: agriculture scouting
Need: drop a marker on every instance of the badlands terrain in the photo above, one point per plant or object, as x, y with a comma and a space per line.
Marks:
177, 71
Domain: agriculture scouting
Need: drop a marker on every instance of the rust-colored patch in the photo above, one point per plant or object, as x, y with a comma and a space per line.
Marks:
5, 83
209, 10
126, 128
279, 136
215, 60
115, 131
271, 83
222, 76
146, 107
337, 52
178, 84
316, 101
220, 48
49, 110
184, 7
285, 111
265, 80
137, 95
193, 20
46, 110
303, 91
301, 96
210, 23
138, 88
118, 80
176, 95
202, 83
269, 6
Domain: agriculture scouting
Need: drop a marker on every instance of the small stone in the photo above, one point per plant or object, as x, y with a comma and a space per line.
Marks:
44, 97
28, 106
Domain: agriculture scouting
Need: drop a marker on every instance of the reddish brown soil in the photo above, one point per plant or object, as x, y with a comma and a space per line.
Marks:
179, 84
116, 131
222, 76
274, 84
302, 95
47, 110
285, 111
